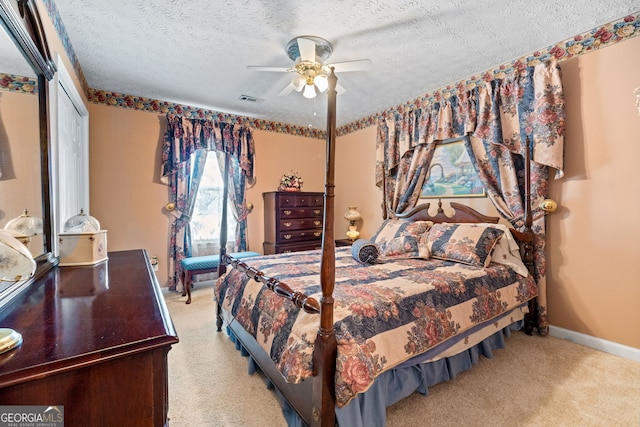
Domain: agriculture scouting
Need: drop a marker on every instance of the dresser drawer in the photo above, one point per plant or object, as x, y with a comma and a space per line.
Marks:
298, 235
301, 200
298, 247
301, 213
309, 200
298, 224
271, 248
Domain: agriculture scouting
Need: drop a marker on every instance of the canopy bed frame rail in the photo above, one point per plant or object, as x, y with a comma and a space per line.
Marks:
314, 399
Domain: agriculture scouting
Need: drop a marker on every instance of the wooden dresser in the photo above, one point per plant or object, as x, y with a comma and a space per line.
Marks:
292, 221
96, 340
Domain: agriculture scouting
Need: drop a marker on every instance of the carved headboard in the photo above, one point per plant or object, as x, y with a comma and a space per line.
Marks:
461, 213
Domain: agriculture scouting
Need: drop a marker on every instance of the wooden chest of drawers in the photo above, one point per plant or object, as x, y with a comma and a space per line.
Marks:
292, 221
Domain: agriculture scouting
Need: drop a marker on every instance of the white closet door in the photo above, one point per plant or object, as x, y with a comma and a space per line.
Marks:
73, 159
71, 150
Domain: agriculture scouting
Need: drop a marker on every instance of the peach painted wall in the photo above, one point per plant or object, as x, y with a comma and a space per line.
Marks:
127, 196
19, 156
593, 284
355, 182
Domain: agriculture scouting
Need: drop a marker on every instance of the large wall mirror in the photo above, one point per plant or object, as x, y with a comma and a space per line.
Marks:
25, 177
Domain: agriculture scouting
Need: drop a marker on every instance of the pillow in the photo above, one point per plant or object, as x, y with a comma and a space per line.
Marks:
401, 238
465, 243
364, 251
507, 251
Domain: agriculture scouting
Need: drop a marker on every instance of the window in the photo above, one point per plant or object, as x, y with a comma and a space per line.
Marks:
207, 212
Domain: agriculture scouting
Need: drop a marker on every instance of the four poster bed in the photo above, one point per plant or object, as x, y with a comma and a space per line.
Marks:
341, 339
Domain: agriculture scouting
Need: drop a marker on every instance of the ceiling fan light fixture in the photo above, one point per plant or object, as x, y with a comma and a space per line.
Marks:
309, 91
321, 82
298, 82
308, 54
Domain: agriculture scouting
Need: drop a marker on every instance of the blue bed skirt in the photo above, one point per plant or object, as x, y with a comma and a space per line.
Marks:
369, 409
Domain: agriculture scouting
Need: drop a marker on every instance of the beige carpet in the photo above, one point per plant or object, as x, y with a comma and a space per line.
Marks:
535, 381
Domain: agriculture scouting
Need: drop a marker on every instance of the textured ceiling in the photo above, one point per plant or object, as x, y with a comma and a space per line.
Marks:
196, 52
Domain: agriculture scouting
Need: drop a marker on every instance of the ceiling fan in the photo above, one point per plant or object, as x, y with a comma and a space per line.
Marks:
308, 54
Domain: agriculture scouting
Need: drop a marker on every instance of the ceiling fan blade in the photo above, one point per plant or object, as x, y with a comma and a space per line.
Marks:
287, 90
340, 89
275, 69
307, 49
358, 65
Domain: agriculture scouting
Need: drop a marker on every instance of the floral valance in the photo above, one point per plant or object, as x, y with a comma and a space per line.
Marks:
184, 136
505, 111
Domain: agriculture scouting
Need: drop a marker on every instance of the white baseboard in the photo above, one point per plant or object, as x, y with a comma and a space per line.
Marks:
596, 343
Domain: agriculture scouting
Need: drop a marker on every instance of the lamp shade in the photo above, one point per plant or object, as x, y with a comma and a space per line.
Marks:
309, 91
321, 82
25, 224
16, 262
298, 82
352, 214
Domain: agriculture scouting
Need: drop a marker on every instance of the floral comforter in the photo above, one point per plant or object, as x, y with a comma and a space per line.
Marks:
384, 314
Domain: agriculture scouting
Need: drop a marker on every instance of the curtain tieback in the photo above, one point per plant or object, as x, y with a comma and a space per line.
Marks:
243, 215
180, 216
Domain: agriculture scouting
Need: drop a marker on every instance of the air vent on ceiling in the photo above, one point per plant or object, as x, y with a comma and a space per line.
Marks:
248, 98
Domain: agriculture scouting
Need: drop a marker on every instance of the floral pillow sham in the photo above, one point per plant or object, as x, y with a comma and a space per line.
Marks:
465, 243
400, 238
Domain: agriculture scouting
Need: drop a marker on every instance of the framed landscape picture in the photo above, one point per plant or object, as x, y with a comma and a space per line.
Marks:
451, 174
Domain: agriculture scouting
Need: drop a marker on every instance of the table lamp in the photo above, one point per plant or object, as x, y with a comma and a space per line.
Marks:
16, 264
352, 215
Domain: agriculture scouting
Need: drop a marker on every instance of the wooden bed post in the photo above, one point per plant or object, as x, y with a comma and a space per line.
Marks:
531, 320
222, 267
528, 217
325, 347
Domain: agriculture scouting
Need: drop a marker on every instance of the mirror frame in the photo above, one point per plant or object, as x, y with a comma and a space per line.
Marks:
24, 26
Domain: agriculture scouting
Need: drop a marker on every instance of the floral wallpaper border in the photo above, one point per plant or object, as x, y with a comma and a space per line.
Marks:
605, 35
13, 83
153, 105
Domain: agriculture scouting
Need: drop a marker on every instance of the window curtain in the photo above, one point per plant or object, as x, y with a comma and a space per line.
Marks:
237, 194
495, 118
185, 137
206, 218
405, 145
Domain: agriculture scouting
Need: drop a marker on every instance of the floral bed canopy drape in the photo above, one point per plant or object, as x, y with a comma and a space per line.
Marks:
185, 138
495, 119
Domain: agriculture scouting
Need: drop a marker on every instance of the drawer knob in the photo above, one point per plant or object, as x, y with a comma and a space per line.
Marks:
287, 224
317, 211
287, 236
317, 223
287, 212
317, 234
